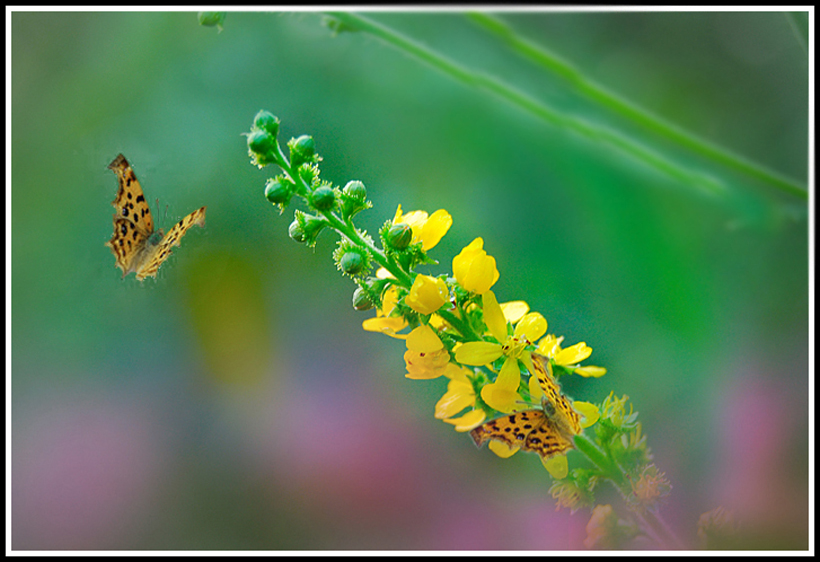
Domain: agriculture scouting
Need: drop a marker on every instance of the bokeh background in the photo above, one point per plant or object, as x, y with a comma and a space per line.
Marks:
235, 403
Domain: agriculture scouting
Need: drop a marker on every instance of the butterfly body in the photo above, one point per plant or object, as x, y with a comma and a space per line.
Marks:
547, 431
135, 244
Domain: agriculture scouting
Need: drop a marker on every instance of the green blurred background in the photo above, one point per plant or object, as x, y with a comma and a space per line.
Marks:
235, 403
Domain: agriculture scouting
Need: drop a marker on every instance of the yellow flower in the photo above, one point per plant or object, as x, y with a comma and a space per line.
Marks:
649, 488
422, 366
426, 357
614, 409
459, 395
567, 494
602, 529
569, 357
383, 322
474, 270
428, 230
502, 395
427, 294
718, 529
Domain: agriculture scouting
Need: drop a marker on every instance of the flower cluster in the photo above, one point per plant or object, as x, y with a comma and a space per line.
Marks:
453, 326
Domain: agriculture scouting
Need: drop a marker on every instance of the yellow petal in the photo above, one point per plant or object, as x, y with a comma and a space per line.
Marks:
427, 294
589, 412
424, 340
473, 269
459, 395
494, 316
549, 345
390, 298
415, 219
500, 398
468, 421
423, 366
382, 273
434, 229
456, 373
526, 358
590, 371
532, 326
462, 261
573, 354
557, 466
483, 275
514, 310
502, 449
436, 322
478, 352
536, 392
388, 326
509, 376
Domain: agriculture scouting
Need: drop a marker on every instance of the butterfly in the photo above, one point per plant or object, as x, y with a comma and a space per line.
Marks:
135, 244
547, 431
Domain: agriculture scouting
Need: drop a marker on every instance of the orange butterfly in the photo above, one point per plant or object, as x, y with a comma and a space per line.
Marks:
548, 431
135, 244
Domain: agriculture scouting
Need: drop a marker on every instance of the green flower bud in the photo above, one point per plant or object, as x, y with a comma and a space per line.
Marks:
308, 173
360, 300
295, 231
355, 190
261, 142
278, 191
323, 198
210, 19
267, 121
311, 226
399, 236
354, 198
302, 150
352, 263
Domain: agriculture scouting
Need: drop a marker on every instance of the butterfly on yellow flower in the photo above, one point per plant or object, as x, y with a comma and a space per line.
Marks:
547, 431
135, 244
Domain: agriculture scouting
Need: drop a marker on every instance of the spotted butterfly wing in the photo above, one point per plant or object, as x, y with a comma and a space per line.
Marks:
548, 431
162, 250
564, 415
135, 244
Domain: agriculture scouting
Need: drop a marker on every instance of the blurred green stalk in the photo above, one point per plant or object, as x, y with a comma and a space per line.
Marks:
585, 86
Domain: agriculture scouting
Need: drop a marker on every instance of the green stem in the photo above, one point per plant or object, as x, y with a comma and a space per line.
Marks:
650, 521
799, 22
583, 85
375, 252
555, 117
463, 327
344, 228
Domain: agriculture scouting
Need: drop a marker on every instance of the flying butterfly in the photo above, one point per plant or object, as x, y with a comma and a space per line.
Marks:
135, 244
547, 431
